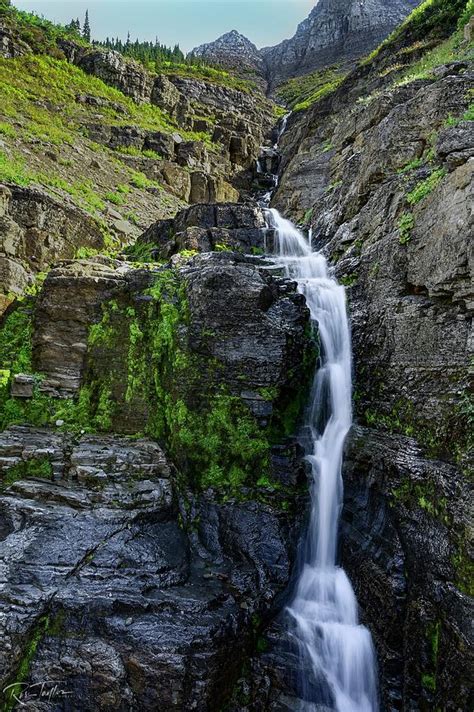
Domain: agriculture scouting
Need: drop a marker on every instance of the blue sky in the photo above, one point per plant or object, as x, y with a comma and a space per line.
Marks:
187, 22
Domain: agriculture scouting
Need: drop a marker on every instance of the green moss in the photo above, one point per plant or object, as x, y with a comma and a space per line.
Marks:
349, 280
15, 687
435, 436
425, 496
411, 165
428, 679
429, 682
15, 337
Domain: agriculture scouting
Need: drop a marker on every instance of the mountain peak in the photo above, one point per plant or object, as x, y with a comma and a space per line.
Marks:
231, 50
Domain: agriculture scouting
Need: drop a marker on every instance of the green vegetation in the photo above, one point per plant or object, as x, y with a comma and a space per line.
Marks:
12, 170
411, 165
436, 435
142, 378
463, 565
300, 93
40, 34
166, 383
14, 689
431, 20
405, 226
349, 280
139, 180
428, 679
38, 467
425, 496
425, 187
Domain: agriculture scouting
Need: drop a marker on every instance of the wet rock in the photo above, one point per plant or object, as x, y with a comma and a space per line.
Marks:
133, 610
414, 513
202, 227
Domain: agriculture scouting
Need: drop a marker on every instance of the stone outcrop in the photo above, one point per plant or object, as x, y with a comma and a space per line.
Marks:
68, 304
410, 564
235, 52
203, 227
35, 231
161, 583
237, 120
114, 69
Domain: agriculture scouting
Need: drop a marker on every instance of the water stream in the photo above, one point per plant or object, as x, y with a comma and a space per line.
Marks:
323, 612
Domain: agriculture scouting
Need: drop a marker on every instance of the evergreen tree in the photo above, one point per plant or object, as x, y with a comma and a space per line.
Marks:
86, 30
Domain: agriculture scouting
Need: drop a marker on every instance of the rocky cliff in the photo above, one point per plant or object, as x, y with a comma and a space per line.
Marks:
153, 487
382, 171
93, 146
336, 32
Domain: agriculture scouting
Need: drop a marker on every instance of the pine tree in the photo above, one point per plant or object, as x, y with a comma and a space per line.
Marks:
86, 30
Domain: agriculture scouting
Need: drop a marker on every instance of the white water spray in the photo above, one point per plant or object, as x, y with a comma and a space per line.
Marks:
324, 607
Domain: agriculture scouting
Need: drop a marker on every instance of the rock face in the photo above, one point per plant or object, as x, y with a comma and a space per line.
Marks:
203, 227
335, 31
135, 610
238, 120
36, 230
386, 185
167, 575
417, 512
230, 50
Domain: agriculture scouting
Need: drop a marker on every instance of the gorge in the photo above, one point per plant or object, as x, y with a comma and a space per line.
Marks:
235, 369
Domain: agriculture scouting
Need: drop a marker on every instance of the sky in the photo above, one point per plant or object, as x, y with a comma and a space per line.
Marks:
185, 22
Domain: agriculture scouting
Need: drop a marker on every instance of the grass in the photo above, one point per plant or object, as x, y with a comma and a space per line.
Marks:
448, 51
208, 74
7, 130
12, 170
301, 92
431, 20
44, 89
139, 180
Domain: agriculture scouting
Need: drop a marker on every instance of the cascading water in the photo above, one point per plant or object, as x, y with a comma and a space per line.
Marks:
324, 607
323, 612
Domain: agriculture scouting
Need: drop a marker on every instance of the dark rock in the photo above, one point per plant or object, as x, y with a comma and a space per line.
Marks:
404, 518
133, 611
201, 227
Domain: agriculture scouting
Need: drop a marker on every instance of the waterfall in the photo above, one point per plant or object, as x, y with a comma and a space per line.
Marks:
323, 611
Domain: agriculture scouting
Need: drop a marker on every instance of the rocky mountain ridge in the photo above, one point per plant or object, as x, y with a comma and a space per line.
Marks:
336, 31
